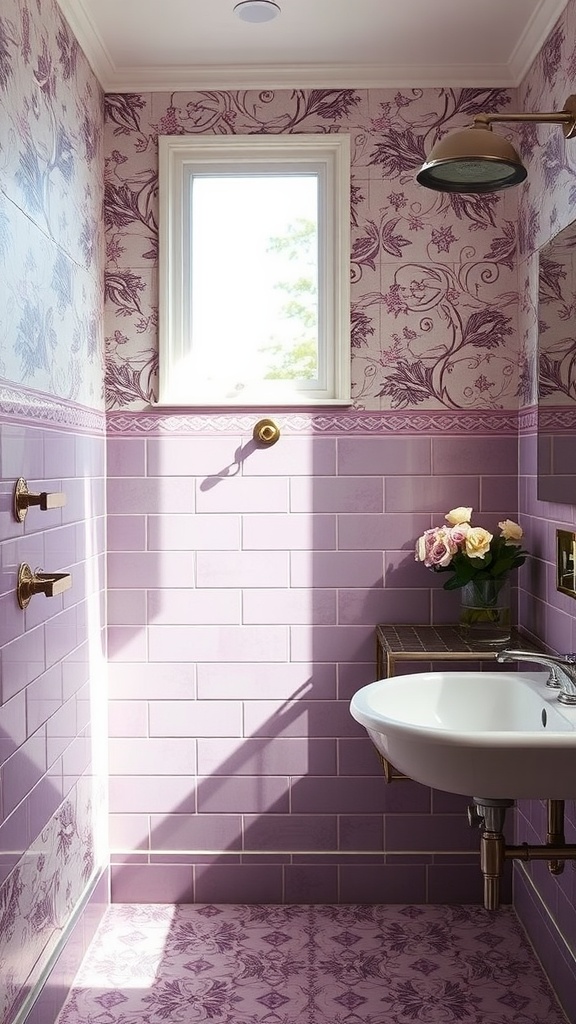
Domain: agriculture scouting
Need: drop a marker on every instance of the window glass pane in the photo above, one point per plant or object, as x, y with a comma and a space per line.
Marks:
254, 279
254, 270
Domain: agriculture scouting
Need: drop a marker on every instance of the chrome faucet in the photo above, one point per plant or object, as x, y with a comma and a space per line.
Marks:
562, 669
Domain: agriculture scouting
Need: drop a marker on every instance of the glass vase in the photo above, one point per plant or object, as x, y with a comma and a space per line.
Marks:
485, 612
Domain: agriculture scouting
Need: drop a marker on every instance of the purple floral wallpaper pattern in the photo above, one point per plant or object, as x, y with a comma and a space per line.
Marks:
40, 895
354, 964
547, 200
50, 206
557, 302
434, 287
52, 804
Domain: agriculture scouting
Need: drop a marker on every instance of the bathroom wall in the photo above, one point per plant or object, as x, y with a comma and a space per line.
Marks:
53, 835
245, 584
547, 204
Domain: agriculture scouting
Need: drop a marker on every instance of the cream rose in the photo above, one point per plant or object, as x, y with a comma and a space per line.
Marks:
459, 515
477, 542
511, 531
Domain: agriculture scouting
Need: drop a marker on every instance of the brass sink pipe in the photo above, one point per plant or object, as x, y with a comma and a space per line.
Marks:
489, 815
494, 850
527, 852
555, 833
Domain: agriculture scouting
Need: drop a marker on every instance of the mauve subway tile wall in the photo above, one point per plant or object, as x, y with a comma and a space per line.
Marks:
234, 652
52, 693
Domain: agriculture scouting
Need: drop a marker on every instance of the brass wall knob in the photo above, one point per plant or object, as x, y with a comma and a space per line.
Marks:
266, 432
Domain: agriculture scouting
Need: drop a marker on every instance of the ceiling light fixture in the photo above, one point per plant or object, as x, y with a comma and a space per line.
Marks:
476, 160
256, 11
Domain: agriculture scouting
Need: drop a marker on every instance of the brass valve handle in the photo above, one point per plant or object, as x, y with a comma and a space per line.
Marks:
266, 432
48, 583
23, 499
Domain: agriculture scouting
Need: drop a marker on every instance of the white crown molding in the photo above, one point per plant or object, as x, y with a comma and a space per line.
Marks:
308, 76
90, 41
534, 36
305, 76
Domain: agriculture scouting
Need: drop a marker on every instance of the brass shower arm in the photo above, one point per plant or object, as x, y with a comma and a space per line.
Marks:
566, 117
476, 159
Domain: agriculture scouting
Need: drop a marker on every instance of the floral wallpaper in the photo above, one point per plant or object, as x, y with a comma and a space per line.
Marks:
556, 305
434, 285
52, 806
40, 895
50, 206
547, 202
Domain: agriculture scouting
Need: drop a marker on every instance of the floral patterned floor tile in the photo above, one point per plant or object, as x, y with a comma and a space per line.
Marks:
348, 964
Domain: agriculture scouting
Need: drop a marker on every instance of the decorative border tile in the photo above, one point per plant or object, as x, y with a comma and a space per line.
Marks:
551, 419
557, 420
438, 422
18, 403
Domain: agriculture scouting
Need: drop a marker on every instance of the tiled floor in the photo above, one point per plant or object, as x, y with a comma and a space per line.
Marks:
310, 965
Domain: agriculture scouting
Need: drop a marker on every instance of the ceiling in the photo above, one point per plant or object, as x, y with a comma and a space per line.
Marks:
141, 45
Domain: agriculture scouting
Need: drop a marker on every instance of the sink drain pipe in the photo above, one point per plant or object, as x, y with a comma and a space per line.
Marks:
489, 815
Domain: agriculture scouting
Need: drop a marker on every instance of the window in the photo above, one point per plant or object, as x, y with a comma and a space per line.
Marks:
254, 270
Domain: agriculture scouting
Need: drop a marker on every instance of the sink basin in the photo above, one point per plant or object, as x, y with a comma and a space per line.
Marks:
498, 735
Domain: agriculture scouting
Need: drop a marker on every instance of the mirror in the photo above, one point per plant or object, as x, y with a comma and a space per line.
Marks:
557, 368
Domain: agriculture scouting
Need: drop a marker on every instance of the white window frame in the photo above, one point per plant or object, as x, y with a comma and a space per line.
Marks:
328, 156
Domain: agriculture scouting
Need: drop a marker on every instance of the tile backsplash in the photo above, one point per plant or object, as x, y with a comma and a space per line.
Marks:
240, 626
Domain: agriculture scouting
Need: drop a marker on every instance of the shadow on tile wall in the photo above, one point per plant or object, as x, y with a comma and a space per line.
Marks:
242, 619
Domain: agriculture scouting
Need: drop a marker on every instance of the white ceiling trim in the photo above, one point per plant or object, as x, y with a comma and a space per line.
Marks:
312, 76
535, 34
302, 76
90, 40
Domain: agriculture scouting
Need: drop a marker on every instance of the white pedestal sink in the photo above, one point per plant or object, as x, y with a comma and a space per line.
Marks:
498, 735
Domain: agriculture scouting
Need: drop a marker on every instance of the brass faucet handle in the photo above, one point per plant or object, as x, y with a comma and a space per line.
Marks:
53, 499
23, 499
51, 584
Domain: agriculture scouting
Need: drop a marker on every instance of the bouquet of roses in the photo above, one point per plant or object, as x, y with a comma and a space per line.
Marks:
469, 552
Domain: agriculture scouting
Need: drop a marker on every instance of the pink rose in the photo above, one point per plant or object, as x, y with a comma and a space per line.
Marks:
435, 547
